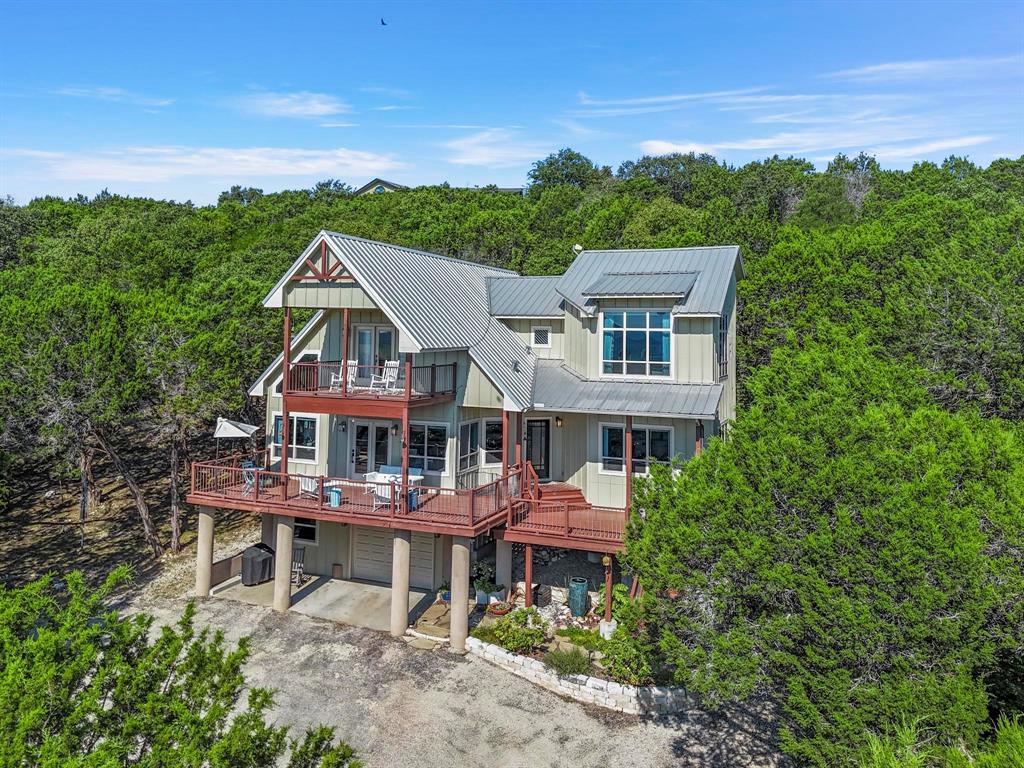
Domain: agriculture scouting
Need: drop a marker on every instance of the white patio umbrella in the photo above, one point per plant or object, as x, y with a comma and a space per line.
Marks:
232, 429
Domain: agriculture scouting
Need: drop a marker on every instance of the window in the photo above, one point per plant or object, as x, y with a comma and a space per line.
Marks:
723, 347
302, 434
300, 374
492, 441
305, 530
650, 444
428, 447
636, 343
469, 445
541, 336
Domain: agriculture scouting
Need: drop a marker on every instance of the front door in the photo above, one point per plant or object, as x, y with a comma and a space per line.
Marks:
370, 443
538, 446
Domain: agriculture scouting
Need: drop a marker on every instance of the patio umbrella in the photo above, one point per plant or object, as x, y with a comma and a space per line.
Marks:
232, 429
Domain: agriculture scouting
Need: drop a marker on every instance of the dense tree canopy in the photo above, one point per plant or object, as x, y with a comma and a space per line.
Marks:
855, 549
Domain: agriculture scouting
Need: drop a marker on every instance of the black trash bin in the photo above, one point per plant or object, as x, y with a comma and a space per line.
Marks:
257, 565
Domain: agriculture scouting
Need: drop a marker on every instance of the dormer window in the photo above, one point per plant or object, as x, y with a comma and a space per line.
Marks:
636, 343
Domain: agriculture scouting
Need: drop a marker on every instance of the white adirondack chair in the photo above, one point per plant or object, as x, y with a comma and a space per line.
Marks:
352, 367
387, 380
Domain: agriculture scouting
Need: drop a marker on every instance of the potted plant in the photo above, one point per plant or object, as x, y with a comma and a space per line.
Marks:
444, 593
499, 608
488, 592
483, 582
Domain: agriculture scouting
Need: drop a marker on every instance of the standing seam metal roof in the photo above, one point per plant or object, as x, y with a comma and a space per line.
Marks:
714, 265
524, 296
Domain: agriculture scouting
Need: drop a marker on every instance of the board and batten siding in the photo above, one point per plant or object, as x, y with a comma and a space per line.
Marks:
523, 328
324, 295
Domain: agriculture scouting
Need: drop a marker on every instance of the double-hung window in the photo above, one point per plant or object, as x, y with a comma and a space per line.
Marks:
428, 447
469, 445
302, 436
493, 436
636, 343
650, 445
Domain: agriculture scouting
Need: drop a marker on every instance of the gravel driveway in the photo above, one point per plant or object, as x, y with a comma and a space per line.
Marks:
398, 706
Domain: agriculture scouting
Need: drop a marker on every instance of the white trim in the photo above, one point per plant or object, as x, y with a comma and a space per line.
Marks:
316, 531
528, 317
533, 337
447, 446
293, 415
483, 441
459, 455
354, 422
670, 428
302, 353
551, 440
671, 376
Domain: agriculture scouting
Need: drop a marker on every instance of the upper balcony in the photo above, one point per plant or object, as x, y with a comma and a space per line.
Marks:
344, 387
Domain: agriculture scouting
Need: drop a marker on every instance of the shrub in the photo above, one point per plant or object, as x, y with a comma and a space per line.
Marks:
585, 638
620, 598
484, 633
911, 746
627, 660
567, 662
521, 631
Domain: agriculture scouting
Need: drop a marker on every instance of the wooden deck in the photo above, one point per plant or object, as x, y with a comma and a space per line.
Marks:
568, 525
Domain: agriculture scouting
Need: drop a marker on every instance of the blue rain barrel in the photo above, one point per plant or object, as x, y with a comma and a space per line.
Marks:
579, 600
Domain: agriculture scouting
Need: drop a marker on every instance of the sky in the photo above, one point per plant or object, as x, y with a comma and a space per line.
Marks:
183, 100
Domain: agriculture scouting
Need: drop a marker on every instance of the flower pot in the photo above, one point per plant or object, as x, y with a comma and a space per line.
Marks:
499, 609
446, 596
481, 597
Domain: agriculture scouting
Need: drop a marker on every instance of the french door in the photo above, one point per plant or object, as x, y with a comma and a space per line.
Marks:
373, 345
538, 446
371, 441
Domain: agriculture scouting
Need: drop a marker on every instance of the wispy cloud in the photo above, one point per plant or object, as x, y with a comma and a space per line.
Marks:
577, 128
338, 125
107, 93
668, 98
298, 104
494, 148
450, 126
392, 108
931, 69
383, 90
917, 151
166, 163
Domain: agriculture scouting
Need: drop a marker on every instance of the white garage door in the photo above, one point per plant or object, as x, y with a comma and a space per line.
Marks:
372, 549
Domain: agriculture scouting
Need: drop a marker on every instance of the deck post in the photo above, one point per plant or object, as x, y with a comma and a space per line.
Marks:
529, 575
204, 552
408, 376
285, 375
629, 463
400, 583
459, 629
503, 564
504, 441
698, 441
344, 351
283, 563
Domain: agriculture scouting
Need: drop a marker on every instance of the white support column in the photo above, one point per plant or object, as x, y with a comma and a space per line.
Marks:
204, 552
400, 583
283, 563
503, 563
459, 630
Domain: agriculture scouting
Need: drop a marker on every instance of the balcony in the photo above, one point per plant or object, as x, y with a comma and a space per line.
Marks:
226, 483
332, 386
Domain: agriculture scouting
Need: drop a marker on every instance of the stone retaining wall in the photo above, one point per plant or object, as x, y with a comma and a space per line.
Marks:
631, 699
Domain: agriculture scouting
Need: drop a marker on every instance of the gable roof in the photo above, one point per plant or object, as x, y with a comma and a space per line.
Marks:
605, 270
438, 303
515, 296
390, 185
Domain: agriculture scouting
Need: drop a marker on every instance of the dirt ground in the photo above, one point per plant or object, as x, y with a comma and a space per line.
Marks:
399, 706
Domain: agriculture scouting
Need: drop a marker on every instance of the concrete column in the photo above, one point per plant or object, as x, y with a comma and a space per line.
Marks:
460, 593
204, 552
283, 563
400, 583
503, 563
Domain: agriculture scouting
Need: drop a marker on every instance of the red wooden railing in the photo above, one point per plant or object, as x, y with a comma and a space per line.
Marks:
567, 520
337, 377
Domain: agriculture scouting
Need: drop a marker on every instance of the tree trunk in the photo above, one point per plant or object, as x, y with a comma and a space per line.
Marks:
175, 511
84, 461
148, 529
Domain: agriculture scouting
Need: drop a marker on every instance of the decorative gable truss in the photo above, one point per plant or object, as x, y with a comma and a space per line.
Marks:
327, 268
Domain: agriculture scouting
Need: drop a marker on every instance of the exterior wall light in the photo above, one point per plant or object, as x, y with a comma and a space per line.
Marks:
558, 421
394, 430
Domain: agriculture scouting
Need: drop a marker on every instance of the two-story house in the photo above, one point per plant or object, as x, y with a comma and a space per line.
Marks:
428, 402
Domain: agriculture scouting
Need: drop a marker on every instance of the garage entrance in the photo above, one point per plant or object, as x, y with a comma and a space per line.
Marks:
372, 549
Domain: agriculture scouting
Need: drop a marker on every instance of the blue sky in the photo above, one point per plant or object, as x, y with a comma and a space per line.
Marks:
183, 100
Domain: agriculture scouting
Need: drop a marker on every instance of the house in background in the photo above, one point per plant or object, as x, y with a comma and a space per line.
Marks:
430, 403
377, 187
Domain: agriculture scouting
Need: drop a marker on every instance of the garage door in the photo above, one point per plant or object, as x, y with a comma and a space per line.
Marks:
372, 551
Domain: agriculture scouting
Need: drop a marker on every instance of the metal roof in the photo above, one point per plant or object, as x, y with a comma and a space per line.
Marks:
524, 296
714, 267
675, 284
558, 388
437, 303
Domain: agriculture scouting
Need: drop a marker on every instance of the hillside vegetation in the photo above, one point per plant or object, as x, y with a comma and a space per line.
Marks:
855, 550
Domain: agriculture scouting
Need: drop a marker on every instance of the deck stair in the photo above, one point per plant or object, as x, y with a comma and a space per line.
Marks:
562, 492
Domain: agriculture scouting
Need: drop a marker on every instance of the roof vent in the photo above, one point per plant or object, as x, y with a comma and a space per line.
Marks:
515, 366
577, 249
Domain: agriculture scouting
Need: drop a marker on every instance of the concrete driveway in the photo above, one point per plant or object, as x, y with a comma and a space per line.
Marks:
398, 706
355, 603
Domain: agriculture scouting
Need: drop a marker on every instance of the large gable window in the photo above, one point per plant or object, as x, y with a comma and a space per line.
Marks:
636, 343
302, 434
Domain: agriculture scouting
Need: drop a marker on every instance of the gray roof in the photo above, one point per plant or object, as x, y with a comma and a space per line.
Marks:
675, 284
714, 265
437, 302
524, 296
558, 388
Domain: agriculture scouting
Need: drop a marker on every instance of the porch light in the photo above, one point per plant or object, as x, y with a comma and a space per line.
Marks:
394, 430
558, 421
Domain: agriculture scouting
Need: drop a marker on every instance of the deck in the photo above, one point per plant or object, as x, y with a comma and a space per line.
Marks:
468, 512
330, 386
571, 525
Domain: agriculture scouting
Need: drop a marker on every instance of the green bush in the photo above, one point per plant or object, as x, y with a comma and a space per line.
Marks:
521, 631
585, 638
620, 598
627, 659
567, 662
911, 746
484, 633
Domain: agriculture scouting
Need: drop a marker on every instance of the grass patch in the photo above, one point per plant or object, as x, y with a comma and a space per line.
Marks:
484, 633
585, 638
571, 662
